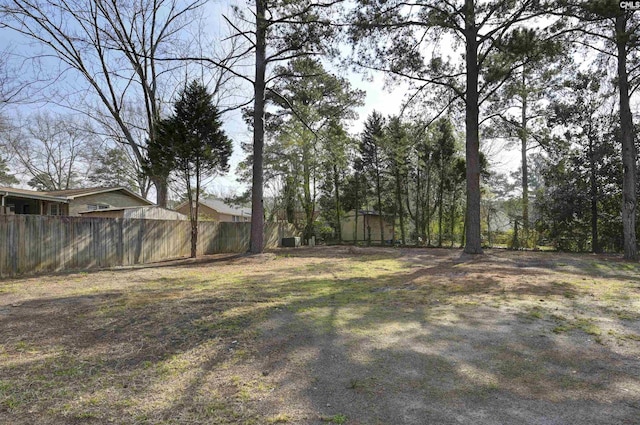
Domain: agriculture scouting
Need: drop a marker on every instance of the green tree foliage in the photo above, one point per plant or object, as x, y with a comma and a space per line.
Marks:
421, 167
614, 33
568, 218
396, 39
192, 144
6, 178
413, 173
520, 102
309, 139
444, 150
114, 168
43, 182
335, 148
283, 30
396, 152
372, 159
582, 173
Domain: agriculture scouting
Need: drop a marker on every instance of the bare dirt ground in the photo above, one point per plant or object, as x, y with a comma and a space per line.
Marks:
329, 335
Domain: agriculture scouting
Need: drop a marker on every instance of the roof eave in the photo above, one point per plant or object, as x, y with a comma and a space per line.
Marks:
34, 196
112, 189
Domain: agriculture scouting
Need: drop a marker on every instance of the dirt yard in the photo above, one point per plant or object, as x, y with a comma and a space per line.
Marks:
327, 336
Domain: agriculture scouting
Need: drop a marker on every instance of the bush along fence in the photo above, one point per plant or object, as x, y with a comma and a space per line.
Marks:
32, 244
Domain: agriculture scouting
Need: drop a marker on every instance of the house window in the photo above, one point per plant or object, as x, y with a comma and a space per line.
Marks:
55, 209
94, 207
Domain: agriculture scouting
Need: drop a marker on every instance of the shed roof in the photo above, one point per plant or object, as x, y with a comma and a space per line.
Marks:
222, 207
177, 215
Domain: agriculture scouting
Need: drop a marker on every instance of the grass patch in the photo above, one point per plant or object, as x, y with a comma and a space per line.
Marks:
335, 419
624, 336
281, 418
534, 313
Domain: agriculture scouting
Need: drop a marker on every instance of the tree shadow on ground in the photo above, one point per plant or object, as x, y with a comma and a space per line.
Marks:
415, 345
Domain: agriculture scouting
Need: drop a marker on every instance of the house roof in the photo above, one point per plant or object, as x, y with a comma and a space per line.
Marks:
222, 207
367, 212
116, 209
78, 193
31, 194
66, 195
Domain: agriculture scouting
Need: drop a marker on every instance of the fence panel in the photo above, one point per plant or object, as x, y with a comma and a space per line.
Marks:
37, 244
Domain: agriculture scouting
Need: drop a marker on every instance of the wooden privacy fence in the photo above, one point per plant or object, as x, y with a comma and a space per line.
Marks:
35, 244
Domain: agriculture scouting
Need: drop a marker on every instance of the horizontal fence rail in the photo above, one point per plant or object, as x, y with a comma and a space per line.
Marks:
37, 244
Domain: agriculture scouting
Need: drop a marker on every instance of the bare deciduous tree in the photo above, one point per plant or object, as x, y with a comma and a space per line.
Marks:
114, 47
53, 151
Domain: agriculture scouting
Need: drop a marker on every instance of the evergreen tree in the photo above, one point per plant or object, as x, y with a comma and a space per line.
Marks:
114, 169
396, 148
371, 152
586, 143
6, 178
614, 32
444, 150
311, 106
525, 91
392, 37
192, 144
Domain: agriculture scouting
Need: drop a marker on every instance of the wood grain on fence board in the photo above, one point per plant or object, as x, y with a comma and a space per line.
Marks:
37, 244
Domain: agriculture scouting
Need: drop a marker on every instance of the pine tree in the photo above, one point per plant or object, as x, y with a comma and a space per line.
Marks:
371, 152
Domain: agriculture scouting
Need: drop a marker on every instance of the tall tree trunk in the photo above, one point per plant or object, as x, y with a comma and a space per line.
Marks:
453, 214
418, 217
378, 192
629, 155
427, 222
337, 189
357, 205
400, 209
489, 226
440, 196
473, 243
411, 215
595, 244
194, 220
307, 200
290, 200
162, 191
257, 206
525, 172
464, 232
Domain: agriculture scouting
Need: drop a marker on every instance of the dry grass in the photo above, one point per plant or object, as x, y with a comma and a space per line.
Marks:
326, 336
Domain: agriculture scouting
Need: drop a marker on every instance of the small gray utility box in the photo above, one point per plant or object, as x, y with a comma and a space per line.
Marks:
291, 242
